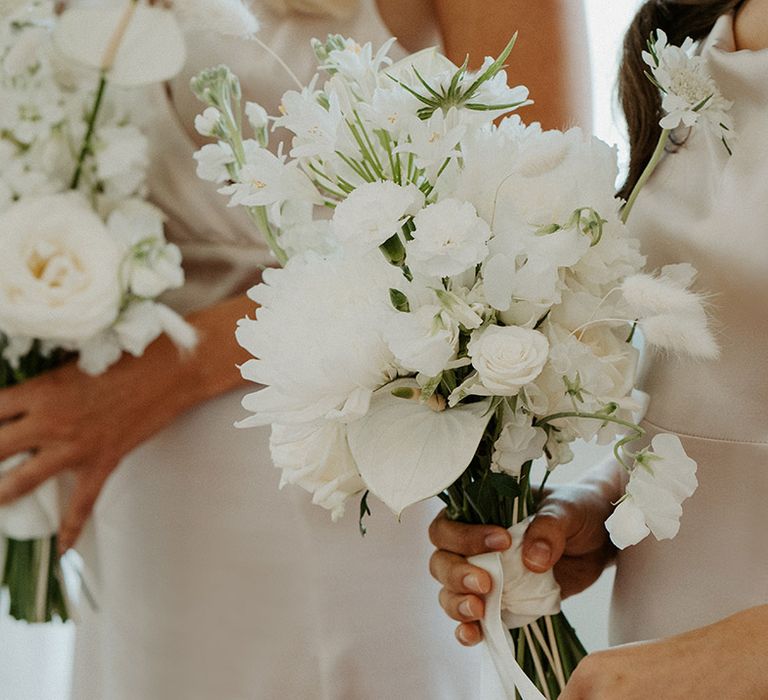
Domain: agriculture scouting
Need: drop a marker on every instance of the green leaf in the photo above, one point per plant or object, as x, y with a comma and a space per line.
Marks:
399, 301
364, 510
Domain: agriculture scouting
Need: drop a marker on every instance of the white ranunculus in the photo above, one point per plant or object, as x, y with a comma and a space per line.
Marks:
663, 479
518, 443
423, 340
60, 269
449, 238
373, 213
507, 357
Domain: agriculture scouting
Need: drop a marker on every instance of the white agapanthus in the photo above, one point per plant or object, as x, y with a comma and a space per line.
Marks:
664, 477
424, 340
373, 213
449, 238
690, 95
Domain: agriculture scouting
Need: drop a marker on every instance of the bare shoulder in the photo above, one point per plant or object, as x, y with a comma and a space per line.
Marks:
751, 27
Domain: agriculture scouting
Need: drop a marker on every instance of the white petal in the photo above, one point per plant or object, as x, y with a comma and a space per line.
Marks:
407, 452
151, 51
626, 525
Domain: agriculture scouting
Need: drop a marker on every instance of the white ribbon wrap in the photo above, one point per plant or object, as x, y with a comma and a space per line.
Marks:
33, 516
518, 596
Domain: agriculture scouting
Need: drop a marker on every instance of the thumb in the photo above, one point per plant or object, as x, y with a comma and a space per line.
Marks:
545, 538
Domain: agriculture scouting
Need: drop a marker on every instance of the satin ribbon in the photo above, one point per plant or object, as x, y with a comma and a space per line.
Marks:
33, 516
533, 596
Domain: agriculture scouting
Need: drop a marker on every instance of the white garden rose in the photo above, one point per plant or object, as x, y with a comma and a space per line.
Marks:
59, 271
449, 238
507, 357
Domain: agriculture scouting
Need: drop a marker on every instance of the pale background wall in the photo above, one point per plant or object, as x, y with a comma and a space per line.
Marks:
34, 661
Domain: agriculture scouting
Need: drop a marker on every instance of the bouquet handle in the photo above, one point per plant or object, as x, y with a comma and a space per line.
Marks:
498, 641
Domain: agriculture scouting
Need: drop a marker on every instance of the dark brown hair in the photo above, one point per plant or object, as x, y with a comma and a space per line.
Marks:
640, 100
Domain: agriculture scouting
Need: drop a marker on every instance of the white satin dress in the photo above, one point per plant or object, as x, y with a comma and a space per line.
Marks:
707, 208
211, 584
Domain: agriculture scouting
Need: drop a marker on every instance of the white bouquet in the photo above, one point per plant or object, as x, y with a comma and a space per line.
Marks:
458, 298
83, 257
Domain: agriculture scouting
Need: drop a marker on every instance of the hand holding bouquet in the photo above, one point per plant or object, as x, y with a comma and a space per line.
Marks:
458, 298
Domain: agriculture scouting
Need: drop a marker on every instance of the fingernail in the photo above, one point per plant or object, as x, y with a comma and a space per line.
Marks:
465, 608
462, 634
472, 582
497, 540
538, 554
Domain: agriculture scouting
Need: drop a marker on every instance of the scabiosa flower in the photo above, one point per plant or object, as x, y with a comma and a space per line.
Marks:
690, 95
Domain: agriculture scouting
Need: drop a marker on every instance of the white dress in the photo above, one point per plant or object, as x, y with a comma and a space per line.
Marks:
710, 209
211, 584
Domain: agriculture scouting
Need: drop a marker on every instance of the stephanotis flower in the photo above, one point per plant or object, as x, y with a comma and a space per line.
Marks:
690, 95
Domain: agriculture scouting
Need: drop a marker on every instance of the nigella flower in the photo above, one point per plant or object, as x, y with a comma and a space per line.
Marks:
690, 95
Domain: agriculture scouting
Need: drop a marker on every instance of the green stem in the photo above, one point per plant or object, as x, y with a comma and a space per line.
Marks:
259, 217
652, 163
85, 150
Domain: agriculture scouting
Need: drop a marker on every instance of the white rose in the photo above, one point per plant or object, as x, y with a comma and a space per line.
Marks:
373, 213
449, 238
59, 271
508, 357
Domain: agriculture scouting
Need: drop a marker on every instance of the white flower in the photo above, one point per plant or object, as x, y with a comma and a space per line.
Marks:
60, 269
681, 333
212, 161
373, 213
152, 266
518, 443
423, 340
259, 121
507, 358
316, 128
659, 483
209, 122
266, 179
137, 327
122, 158
316, 457
434, 140
648, 295
317, 338
449, 238
689, 93
227, 17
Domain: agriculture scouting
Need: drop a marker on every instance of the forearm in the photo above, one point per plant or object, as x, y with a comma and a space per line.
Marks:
550, 56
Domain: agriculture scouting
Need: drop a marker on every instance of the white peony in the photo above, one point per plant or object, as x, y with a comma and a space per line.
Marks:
449, 238
373, 213
662, 479
60, 269
507, 357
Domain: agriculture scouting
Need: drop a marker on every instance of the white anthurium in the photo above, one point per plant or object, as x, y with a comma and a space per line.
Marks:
407, 451
150, 51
